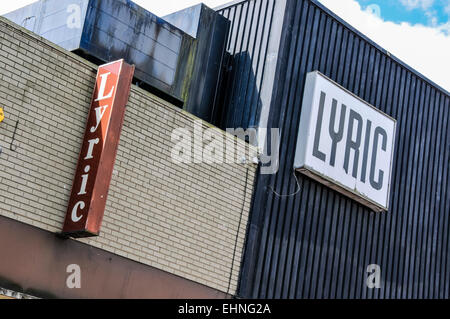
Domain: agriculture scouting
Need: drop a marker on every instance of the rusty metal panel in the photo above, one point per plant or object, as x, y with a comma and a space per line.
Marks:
98, 152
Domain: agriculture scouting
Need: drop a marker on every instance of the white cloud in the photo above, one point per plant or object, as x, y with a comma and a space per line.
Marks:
414, 4
425, 48
8, 6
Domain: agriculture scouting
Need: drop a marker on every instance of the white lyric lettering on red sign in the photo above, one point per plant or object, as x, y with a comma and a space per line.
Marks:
99, 114
99, 149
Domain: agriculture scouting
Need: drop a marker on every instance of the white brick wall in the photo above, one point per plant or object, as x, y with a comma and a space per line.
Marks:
180, 218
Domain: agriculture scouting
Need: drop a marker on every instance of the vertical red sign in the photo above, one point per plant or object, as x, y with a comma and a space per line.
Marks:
98, 153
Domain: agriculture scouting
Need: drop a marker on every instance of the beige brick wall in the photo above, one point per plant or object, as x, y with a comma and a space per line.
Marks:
179, 218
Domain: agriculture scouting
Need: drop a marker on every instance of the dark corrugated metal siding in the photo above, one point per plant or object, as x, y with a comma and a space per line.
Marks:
251, 24
319, 243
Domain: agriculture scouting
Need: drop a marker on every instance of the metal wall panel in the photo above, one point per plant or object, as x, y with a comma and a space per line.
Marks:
247, 47
318, 243
119, 29
166, 58
49, 19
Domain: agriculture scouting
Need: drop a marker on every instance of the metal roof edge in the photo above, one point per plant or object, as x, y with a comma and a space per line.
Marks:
230, 4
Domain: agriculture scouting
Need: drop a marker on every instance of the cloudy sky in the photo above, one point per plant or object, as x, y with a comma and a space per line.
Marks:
416, 31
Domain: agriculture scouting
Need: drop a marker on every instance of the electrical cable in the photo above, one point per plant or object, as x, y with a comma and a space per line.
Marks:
290, 195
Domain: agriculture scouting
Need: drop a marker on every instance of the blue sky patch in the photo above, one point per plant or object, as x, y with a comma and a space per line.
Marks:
398, 11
